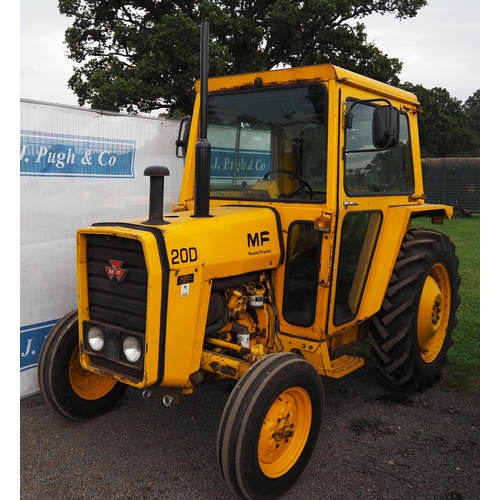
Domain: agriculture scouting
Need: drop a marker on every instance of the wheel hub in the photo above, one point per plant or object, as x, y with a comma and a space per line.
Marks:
283, 429
433, 313
284, 432
86, 384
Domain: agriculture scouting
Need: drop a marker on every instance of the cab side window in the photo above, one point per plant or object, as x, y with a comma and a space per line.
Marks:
376, 172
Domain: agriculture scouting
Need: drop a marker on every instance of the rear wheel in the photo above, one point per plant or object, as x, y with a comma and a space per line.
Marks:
270, 426
411, 334
66, 386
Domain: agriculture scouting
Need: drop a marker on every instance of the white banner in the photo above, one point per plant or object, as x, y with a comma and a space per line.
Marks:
77, 167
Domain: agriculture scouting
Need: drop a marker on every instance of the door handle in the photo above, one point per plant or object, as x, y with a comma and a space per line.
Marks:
350, 204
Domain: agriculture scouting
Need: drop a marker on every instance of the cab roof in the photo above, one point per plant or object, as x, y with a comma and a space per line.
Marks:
318, 73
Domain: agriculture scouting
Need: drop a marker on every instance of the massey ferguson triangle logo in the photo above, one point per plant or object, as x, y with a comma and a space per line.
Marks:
115, 270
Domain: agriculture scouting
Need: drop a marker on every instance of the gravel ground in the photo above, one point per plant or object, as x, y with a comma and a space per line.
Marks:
375, 443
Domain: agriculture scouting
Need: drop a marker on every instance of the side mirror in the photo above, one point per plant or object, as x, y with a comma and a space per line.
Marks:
385, 131
181, 143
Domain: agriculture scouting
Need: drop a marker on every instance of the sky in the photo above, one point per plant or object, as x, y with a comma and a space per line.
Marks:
438, 48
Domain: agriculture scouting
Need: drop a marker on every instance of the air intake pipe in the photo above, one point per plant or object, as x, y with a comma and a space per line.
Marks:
156, 190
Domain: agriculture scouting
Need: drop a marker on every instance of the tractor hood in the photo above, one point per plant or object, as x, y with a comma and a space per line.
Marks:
233, 240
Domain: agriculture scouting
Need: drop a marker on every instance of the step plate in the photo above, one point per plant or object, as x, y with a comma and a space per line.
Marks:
344, 365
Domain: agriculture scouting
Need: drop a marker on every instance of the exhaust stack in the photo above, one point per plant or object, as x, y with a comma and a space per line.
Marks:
203, 147
156, 190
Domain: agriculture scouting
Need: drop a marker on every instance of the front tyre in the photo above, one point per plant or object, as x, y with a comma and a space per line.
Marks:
270, 426
411, 334
68, 388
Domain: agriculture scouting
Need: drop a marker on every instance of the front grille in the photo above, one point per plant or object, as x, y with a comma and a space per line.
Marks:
114, 302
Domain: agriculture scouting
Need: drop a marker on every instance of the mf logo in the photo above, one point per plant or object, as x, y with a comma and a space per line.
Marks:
257, 239
115, 270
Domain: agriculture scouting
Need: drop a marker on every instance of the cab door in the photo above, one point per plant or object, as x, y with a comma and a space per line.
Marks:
375, 172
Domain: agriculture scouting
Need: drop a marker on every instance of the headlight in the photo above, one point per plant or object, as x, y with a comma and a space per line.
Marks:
131, 349
95, 337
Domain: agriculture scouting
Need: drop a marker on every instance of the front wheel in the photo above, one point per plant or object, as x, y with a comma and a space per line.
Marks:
411, 334
66, 386
269, 427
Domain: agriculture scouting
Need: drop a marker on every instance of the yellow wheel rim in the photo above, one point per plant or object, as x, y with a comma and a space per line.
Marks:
86, 384
434, 313
284, 432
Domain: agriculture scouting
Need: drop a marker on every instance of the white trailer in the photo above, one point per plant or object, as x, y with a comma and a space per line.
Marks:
78, 166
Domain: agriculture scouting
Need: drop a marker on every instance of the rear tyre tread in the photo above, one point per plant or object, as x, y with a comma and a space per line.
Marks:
392, 331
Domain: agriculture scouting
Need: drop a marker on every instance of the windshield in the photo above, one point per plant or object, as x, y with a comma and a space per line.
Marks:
268, 143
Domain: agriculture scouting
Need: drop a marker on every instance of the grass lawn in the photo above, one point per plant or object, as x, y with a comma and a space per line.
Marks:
462, 369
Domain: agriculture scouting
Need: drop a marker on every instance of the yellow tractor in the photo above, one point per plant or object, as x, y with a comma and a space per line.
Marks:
292, 240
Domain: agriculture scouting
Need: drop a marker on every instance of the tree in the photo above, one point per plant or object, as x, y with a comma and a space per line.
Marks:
446, 126
472, 112
143, 55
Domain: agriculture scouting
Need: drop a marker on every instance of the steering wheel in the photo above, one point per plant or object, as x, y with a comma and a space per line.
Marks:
303, 183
